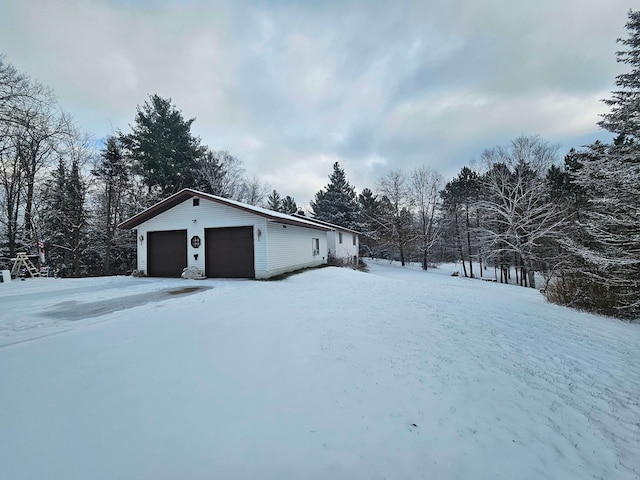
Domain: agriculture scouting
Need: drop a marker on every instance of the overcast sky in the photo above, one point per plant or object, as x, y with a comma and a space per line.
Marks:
290, 87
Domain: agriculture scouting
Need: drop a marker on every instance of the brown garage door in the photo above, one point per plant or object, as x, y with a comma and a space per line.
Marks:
229, 252
166, 253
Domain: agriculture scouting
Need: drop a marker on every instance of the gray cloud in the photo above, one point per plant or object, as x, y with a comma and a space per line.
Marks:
291, 87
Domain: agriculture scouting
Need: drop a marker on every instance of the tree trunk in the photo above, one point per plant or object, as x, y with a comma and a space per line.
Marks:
469, 243
13, 203
479, 251
109, 232
28, 208
459, 245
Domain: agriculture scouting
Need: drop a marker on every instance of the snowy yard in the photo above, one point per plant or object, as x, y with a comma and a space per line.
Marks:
329, 374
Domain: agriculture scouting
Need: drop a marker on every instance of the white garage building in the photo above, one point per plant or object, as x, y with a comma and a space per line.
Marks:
224, 238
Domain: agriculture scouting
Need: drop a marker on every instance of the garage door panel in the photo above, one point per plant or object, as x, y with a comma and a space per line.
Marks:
166, 253
229, 252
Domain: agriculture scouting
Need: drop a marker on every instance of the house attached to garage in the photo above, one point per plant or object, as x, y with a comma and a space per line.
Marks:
223, 238
343, 244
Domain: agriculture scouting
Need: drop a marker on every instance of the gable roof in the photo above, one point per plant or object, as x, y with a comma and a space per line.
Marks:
187, 193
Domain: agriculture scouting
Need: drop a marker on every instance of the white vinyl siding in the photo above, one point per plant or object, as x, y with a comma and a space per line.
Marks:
288, 248
343, 250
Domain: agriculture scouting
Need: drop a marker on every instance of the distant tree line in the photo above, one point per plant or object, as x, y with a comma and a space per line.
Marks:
519, 211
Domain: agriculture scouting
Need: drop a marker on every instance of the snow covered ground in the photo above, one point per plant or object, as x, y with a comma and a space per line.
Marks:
332, 373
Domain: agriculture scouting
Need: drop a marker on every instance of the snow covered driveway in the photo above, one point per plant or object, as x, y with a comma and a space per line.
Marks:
41, 307
332, 373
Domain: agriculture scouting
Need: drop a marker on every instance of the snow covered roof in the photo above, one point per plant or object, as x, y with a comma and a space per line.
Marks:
332, 226
188, 193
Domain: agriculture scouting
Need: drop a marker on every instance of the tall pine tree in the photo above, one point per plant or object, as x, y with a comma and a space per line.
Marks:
113, 173
289, 205
274, 201
54, 233
76, 216
604, 275
624, 118
162, 148
460, 196
371, 224
337, 202
65, 218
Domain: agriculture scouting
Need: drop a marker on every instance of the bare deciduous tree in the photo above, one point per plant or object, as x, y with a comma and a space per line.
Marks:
517, 215
425, 185
220, 173
31, 129
254, 191
396, 212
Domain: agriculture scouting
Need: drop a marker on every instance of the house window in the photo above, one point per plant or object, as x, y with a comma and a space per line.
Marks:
339, 237
315, 246
354, 239
196, 202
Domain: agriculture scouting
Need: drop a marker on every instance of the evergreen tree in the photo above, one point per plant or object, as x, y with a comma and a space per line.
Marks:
54, 231
113, 174
623, 119
209, 174
370, 223
560, 180
161, 146
603, 274
452, 201
289, 205
283, 205
64, 224
460, 197
76, 216
274, 202
337, 203
563, 192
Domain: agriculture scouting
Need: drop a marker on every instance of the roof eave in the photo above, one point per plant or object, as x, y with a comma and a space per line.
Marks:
158, 208
330, 226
